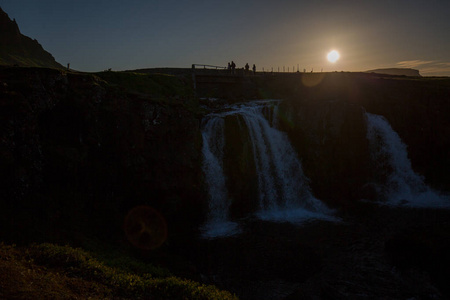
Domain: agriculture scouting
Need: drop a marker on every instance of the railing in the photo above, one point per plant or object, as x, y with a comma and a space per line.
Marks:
208, 66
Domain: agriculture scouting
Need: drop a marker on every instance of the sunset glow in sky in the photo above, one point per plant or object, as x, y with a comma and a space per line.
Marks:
94, 35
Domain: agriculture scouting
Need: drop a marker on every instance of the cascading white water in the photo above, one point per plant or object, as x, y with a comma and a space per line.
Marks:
283, 191
218, 223
284, 194
402, 185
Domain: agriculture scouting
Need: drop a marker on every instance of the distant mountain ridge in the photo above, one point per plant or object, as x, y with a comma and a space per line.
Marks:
18, 49
397, 71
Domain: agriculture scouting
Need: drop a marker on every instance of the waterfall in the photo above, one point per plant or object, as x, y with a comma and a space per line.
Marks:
399, 185
283, 190
284, 193
218, 223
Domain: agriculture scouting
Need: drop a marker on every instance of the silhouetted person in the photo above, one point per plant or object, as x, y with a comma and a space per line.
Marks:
254, 69
233, 67
247, 67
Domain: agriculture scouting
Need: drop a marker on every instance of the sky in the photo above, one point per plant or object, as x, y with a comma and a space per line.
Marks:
96, 35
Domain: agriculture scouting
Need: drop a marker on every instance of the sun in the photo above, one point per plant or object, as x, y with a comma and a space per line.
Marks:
333, 56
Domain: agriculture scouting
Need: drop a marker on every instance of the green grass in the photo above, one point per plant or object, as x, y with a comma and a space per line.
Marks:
158, 86
11, 57
149, 281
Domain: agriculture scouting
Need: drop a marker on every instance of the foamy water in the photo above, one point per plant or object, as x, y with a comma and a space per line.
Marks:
402, 187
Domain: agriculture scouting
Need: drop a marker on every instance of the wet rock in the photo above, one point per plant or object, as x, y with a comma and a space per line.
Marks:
330, 137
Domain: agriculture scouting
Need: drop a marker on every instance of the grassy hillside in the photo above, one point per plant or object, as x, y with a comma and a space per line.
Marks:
158, 86
48, 271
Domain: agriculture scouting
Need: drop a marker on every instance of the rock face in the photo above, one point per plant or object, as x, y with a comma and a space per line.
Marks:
239, 167
17, 49
330, 137
75, 149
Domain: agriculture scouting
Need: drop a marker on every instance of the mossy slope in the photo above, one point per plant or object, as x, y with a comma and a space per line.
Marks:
62, 272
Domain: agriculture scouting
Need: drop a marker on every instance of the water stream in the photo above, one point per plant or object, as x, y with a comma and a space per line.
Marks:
400, 184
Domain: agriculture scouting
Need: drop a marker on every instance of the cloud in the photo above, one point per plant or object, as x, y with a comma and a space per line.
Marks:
436, 70
447, 64
414, 63
427, 67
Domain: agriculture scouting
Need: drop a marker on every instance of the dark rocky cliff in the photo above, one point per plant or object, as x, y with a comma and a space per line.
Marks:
79, 151
330, 137
18, 49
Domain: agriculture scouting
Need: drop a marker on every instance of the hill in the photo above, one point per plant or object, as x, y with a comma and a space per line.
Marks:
18, 49
397, 71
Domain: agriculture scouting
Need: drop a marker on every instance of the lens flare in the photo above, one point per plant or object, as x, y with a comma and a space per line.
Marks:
145, 228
